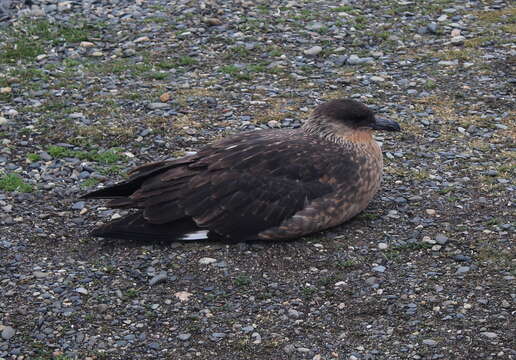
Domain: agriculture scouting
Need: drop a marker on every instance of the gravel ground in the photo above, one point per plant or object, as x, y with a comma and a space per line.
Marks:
91, 88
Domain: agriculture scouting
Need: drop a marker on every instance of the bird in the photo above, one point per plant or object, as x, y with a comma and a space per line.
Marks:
274, 184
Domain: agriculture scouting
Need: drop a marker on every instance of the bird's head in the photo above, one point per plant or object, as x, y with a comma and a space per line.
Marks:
347, 119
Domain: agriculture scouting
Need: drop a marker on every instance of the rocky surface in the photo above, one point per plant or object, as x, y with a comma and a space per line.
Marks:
89, 89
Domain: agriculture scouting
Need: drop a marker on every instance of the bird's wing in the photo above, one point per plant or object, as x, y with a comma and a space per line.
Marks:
247, 184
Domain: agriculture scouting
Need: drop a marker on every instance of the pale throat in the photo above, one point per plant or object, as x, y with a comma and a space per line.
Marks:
338, 133
359, 136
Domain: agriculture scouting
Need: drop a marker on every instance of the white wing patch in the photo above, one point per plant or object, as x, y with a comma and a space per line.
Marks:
196, 235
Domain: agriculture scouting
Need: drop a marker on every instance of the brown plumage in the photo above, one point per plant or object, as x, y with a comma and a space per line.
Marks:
266, 184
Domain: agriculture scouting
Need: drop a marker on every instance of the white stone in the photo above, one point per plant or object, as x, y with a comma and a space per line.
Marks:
207, 261
458, 40
183, 295
142, 39
488, 334
313, 51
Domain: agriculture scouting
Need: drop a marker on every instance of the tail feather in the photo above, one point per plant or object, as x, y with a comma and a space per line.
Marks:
137, 177
113, 192
135, 227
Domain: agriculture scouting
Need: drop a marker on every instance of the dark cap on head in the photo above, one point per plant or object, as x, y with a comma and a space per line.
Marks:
354, 114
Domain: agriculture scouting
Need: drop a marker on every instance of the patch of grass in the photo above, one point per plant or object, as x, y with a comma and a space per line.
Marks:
497, 16
131, 293
446, 190
343, 8
111, 170
394, 254
30, 38
105, 157
166, 65
230, 69
156, 75
477, 42
275, 52
308, 291
263, 9
13, 182
347, 264
457, 54
88, 183
29, 74
239, 51
511, 28
20, 49
33, 157
492, 222
257, 68
412, 246
58, 151
236, 72
242, 280
154, 20
140, 68
360, 22
430, 84
187, 61
369, 216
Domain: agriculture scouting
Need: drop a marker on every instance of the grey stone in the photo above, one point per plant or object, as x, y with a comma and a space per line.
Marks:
488, 334
289, 348
293, 313
462, 269
184, 337
154, 346
82, 291
429, 342
248, 329
354, 60
161, 277
157, 106
8, 332
39, 274
217, 336
315, 26
432, 27
340, 60
441, 239
379, 268
313, 51
458, 40
78, 205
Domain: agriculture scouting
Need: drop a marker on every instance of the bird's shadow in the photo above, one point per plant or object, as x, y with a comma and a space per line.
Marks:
109, 243
114, 243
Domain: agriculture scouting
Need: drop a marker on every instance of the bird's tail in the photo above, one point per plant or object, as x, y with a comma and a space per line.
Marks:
135, 227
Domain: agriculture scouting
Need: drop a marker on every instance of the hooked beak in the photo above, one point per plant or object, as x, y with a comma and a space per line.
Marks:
386, 124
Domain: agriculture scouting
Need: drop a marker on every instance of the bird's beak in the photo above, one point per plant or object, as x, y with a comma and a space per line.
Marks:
386, 124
